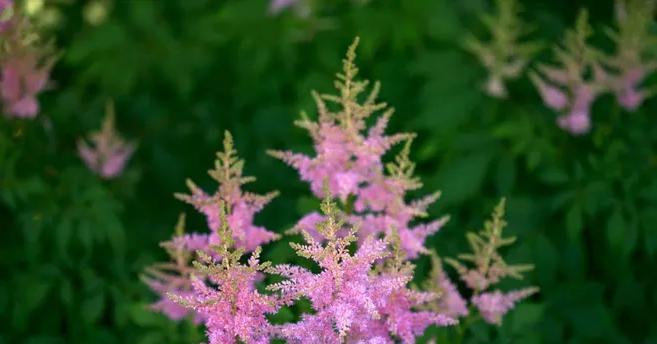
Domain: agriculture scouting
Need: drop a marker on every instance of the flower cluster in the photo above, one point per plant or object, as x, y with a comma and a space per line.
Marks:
505, 56
573, 85
352, 301
108, 153
242, 206
223, 293
348, 157
633, 60
6, 12
174, 277
488, 269
25, 64
358, 287
228, 204
581, 73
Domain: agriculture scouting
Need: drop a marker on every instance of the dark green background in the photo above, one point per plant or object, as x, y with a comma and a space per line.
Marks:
181, 72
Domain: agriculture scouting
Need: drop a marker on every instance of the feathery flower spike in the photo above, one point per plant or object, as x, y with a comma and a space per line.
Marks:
352, 302
25, 64
174, 277
505, 56
633, 59
108, 153
223, 293
241, 206
229, 210
489, 268
567, 88
348, 156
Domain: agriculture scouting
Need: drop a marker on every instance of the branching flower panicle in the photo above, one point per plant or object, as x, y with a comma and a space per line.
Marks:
223, 293
634, 57
108, 153
349, 158
506, 54
352, 301
229, 213
241, 206
25, 62
572, 86
174, 277
488, 268
449, 301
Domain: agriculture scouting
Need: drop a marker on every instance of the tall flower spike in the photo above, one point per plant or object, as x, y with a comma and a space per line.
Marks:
241, 206
224, 295
230, 213
6, 14
489, 268
174, 277
25, 62
634, 58
352, 301
348, 156
567, 88
449, 302
506, 55
108, 153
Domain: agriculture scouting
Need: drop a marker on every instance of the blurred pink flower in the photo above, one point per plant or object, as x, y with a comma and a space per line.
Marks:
571, 87
108, 153
230, 214
23, 77
494, 305
634, 58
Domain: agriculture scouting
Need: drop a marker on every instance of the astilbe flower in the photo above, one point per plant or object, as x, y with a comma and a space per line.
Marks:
223, 294
24, 61
174, 277
6, 13
348, 156
489, 268
352, 301
242, 206
571, 87
506, 54
449, 301
108, 153
493, 305
633, 59
301, 7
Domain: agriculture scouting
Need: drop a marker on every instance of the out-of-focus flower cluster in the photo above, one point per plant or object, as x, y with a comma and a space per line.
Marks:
634, 58
582, 73
25, 62
359, 288
506, 55
108, 153
572, 86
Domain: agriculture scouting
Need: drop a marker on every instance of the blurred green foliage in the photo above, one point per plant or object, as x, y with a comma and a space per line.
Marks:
72, 246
